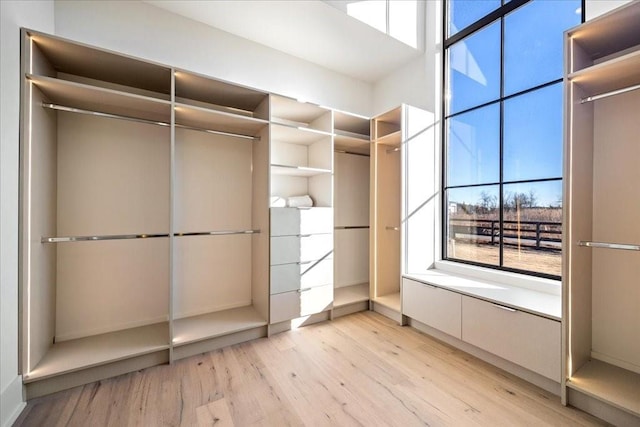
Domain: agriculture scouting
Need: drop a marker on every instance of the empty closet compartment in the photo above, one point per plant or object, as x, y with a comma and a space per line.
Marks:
603, 240
96, 197
352, 146
386, 199
221, 228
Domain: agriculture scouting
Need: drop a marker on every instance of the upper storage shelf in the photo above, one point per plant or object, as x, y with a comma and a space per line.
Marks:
300, 114
55, 57
386, 128
206, 103
605, 55
351, 132
68, 95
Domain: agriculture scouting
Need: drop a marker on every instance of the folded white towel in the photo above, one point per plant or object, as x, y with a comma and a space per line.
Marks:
300, 202
278, 202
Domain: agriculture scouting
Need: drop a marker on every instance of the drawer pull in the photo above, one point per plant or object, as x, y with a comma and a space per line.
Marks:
512, 310
304, 235
303, 290
303, 262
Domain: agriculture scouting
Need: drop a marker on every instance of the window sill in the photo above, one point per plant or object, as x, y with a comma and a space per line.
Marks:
534, 295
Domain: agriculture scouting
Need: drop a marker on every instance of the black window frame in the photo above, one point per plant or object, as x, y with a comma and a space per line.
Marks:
496, 15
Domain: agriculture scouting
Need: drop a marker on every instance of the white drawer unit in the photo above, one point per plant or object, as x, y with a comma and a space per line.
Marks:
295, 221
302, 302
292, 277
435, 307
525, 339
300, 248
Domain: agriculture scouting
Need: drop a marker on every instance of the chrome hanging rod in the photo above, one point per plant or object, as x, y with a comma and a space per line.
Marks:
352, 153
217, 233
607, 94
97, 238
350, 227
141, 236
607, 245
393, 150
219, 132
145, 121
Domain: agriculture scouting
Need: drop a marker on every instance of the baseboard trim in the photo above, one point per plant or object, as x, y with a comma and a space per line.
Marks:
11, 402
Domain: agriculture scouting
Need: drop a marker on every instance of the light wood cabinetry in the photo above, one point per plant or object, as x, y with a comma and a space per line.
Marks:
602, 251
386, 207
351, 213
469, 314
435, 307
144, 213
401, 195
522, 338
301, 163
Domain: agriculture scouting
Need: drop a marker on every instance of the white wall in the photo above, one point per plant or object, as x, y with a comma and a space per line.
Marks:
596, 8
145, 31
14, 14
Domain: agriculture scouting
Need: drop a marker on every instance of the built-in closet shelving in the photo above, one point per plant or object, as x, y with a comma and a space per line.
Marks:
145, 213
301, 188
602, 251
386, 206
352, 146
219, 210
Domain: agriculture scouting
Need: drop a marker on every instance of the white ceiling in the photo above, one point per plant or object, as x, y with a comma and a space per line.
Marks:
310, 30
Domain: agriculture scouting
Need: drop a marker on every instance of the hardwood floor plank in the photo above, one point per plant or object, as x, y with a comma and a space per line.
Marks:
215, 414
358, 370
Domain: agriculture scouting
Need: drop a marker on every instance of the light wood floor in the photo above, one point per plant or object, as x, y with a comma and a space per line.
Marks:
361, 369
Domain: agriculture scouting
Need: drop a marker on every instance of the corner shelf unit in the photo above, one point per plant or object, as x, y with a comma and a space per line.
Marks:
386, 211
602, 349
145, 213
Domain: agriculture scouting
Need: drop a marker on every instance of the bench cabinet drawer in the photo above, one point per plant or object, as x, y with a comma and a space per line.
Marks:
303, 302
525, 339
436, 307
291, 277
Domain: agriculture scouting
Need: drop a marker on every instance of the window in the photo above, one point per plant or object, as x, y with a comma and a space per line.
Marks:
503, 132
402, 20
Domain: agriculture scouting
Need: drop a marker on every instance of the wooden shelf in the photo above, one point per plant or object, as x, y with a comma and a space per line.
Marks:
346, 295
297, 135
608, 33
195, 87
86, 97
301, 171
291, 111
608, 383
81, 60
74, 355
391, 140
391, 301
353, 142
597, 79
211, 325
206, 118
346, 123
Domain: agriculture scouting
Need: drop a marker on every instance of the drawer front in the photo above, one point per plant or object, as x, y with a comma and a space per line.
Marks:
291, 277
292, 249
436, 307
522, 338
290, 305
292, 221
